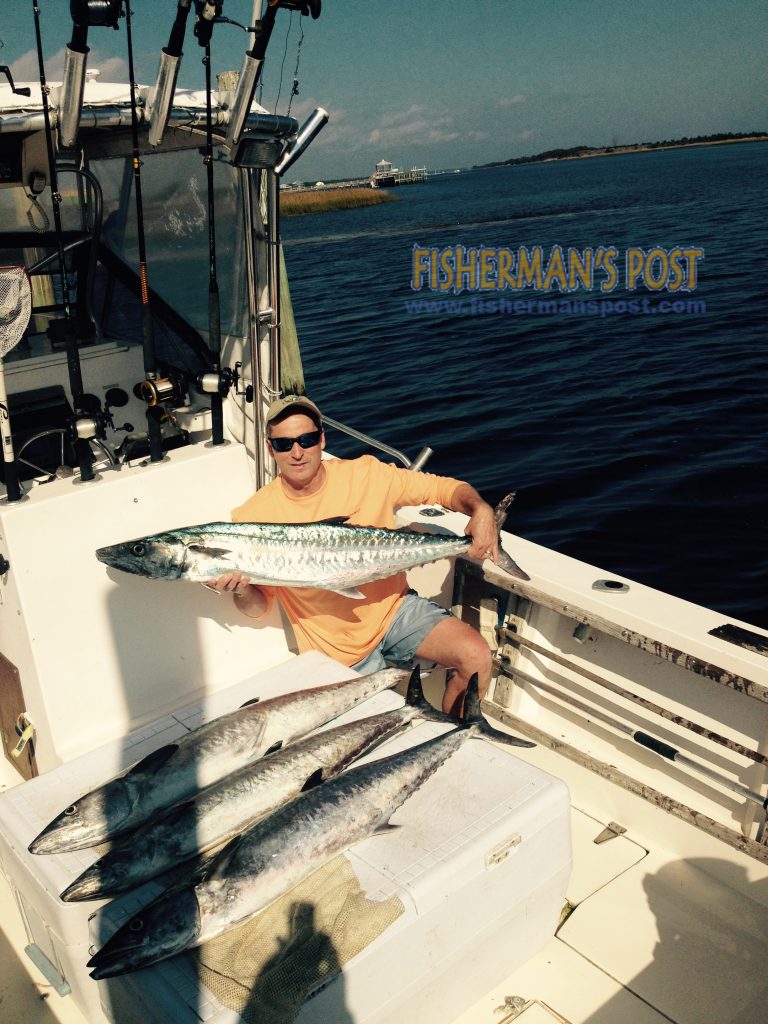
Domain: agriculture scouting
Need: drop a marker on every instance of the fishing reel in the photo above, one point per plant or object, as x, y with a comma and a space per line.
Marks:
55, 452
221, 382
22, 90
170, 389
95, 13
304, 7
91, 421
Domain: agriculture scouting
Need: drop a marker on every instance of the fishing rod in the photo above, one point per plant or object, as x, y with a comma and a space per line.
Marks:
66, 330
207, 13
203, 31
150, 389
254, 61
216, 383
649, 742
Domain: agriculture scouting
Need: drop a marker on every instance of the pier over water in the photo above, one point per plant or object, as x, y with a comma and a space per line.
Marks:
386, 175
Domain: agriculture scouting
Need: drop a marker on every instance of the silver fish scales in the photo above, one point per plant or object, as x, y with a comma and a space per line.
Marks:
201, 757
227, 807
327, 555
273, 856
283, 849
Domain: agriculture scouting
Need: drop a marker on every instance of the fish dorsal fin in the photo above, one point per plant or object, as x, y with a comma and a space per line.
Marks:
333, 521
415, 694
415, 698
208, 552
472, 714
314, 780
247, 703
154, 761
274, 748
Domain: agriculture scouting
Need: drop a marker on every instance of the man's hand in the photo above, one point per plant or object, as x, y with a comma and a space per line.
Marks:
230, 582
482, 523
484, 533
249, 599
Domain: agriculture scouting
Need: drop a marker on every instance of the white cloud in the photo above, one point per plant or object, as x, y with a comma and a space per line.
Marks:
26, 68
395, 116
412, 127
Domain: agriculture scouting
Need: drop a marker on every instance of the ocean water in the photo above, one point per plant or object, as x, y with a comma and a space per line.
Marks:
637, 442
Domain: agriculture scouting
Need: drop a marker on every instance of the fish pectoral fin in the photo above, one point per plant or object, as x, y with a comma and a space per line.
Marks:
208, 552
314, 780
247, 703
215, 868
154, 761
382, 830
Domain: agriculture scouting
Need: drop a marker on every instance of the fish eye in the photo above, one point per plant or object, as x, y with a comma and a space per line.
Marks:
138, 549
136, 924
71, 810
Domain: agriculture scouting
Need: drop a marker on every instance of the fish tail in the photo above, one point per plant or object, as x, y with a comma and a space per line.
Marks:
473, 718
506, 563
509, 565
415, 698
501, 511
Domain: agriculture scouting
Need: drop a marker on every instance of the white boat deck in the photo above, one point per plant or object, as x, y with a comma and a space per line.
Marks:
644, 919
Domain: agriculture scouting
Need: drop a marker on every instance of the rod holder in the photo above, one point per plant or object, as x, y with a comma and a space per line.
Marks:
161, 97
421, 459
316, 121
71, 94
241, 105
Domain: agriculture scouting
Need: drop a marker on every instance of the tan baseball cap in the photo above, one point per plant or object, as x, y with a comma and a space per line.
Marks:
294, 403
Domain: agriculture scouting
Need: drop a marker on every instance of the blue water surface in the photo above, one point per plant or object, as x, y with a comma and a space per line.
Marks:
635, 442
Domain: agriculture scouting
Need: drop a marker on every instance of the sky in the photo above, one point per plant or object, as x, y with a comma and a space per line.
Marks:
454, 83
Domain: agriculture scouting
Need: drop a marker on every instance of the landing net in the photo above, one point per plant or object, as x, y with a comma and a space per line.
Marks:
15, 306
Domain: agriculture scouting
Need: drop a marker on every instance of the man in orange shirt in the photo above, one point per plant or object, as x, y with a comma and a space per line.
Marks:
392, 622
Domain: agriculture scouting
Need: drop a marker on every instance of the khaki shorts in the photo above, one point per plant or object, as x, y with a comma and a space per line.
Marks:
415, 617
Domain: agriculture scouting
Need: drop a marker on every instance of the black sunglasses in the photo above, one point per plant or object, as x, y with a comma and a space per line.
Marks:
284, 444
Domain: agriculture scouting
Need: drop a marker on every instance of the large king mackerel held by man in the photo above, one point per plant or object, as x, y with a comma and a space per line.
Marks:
228, 807
327, 555
202, 757
280, 851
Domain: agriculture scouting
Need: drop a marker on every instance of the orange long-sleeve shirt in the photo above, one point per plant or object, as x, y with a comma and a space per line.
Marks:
366, 492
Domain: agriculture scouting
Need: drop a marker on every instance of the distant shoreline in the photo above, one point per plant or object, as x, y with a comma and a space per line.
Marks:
585, 152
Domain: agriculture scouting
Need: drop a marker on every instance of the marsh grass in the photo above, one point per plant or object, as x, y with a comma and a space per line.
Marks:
294, 204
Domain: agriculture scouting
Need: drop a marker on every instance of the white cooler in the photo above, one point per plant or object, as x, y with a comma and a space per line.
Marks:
480, 863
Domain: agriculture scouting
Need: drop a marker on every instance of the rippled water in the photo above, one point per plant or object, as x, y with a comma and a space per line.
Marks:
635, 442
